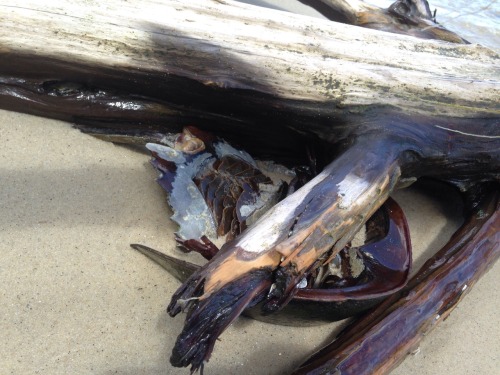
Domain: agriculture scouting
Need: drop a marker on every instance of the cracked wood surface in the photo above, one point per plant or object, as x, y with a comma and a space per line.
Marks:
234, 45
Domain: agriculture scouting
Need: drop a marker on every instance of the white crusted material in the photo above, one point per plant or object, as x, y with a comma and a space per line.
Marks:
267, 230
189, 207
247, 209
302, 284
223, 149
190, 210
350, 189
268, 196
335, 267
275, 171
169, 139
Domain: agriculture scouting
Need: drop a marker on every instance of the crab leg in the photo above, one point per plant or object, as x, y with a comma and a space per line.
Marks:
380, 339
268, 260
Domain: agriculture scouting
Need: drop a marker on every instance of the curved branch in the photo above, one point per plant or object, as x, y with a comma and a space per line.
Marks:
381, 338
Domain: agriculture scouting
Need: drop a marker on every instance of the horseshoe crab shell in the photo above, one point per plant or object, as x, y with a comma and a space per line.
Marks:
216, 190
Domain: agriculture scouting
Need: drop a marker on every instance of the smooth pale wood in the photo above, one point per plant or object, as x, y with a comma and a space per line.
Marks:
349, 9
233, 45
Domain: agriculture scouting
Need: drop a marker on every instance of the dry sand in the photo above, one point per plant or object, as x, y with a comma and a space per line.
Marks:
76, 299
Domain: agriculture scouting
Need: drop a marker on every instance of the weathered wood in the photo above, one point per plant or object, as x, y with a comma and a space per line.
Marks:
409, 17
379, 340
245, 73
303, 64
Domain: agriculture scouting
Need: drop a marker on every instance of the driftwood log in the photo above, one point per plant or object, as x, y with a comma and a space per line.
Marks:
369, 344
386, 108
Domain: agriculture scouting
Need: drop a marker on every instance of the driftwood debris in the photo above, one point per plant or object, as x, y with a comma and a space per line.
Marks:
217, 61
386, 108
368, 345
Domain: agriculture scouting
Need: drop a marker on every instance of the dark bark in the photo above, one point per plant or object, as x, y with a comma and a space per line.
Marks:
379, 340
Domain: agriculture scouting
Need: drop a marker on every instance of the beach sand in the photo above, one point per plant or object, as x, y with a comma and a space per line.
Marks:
76, 299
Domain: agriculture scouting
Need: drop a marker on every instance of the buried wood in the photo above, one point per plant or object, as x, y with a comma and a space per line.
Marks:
389, 108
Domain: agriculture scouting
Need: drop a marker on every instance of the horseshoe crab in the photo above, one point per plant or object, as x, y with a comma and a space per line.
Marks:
216, 191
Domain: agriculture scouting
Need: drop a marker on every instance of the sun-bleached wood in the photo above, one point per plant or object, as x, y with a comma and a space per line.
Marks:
233, 45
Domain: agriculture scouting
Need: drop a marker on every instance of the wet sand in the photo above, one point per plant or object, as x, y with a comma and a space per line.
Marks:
77, 299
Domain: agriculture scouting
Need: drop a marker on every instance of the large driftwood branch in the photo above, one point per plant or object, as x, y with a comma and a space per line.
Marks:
296, 60
393, 107
239, 70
